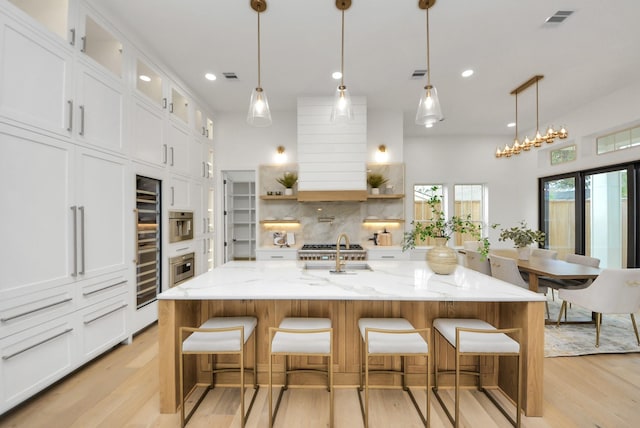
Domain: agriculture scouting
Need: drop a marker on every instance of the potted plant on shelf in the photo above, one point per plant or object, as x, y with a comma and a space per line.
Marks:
288, 180
376, 180
442, 259
522, 237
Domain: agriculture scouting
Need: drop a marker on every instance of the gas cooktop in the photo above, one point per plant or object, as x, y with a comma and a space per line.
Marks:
330, 247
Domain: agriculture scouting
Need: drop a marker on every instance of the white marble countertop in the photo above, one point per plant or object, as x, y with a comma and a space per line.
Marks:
389, 280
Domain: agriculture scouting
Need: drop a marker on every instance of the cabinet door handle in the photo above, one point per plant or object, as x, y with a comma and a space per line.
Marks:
82, 252
164, 103
74, 209
36, 310
105, 314
81, 132
70, 123
172, 153
42, 342
72, 42
182, 249
277, 257
89, 293
203, 170
173, 195
164, 154
204, 131
170, 107
204, 246
204, 225
388, 257
84, 44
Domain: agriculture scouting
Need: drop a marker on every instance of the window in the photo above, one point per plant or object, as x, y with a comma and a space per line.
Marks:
421, 210
469, 200
618, 141
563, 154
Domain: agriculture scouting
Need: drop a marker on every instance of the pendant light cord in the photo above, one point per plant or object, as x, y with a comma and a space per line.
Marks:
342, 54
537, 119
516, 117
259, 85
428, 62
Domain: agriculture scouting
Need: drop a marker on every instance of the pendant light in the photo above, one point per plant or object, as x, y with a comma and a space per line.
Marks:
259, 114
342, 110
429, 111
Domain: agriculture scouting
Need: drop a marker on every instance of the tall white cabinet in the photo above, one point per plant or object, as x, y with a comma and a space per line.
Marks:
76, 125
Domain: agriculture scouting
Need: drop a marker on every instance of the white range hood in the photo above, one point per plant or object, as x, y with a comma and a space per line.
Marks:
332, 157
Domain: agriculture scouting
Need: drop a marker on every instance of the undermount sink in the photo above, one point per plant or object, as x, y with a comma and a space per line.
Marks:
331, 267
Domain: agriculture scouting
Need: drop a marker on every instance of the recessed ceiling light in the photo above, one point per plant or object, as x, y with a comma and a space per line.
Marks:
336, 75
145, 78
467, 73
511, 124
210, 76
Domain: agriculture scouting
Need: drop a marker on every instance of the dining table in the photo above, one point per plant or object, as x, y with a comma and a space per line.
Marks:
538, 267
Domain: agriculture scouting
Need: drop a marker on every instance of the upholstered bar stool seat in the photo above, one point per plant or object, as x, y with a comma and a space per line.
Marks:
392, 337
218, 336
300, 337
478, 338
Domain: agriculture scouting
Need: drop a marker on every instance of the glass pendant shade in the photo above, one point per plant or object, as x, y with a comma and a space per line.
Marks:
342, 110
429, 111
259, 114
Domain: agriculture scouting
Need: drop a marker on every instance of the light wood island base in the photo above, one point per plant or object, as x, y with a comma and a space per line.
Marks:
497, 372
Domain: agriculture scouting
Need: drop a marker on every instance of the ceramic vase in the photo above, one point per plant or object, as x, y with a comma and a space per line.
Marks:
442, 259
524, 253
375, 191
288, 191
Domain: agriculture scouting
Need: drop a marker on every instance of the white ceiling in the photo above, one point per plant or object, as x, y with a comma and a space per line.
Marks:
594, 52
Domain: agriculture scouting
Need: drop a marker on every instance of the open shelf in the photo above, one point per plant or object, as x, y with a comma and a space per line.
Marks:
385, 196
278, 197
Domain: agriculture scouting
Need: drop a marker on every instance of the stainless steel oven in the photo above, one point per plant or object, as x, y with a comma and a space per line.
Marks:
181, 268
180, 226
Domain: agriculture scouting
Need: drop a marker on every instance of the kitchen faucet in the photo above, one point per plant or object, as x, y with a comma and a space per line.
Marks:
339, 264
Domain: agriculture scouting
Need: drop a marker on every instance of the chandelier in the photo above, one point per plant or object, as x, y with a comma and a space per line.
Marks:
526, 145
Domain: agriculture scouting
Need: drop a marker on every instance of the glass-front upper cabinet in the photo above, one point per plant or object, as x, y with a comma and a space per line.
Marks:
52, 14
149, 82
179, 105
102, 46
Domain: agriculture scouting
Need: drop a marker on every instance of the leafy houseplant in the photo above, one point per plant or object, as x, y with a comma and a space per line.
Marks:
442, 230
288, 180
522, 237
376, 180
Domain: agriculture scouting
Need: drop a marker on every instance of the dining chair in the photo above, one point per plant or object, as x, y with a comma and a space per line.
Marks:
475, 261
614, 291
556, 284
506, 269
544, 253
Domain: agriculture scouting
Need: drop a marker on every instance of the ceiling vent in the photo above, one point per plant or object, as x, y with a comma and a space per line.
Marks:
230, 76
558, 17
418, 74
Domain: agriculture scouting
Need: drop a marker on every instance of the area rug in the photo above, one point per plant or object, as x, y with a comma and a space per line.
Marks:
616, 334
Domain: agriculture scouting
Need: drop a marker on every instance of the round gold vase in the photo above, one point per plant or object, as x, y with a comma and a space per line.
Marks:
442, 259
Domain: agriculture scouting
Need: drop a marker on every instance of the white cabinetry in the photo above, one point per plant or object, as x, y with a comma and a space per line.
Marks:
43, 68
276, 254
386, 253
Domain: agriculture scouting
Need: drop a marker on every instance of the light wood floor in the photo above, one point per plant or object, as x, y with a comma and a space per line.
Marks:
120, 389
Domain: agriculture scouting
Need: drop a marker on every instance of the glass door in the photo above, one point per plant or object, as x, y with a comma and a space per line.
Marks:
559, 219
606, 222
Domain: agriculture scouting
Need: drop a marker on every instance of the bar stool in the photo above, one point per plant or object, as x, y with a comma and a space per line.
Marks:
217, 336
392, 337
477, 338
301, 337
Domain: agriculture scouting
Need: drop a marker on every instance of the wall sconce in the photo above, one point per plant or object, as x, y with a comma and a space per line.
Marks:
281, 156
381, 154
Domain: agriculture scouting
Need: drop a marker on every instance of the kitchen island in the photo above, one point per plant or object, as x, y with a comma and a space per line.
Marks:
272, 290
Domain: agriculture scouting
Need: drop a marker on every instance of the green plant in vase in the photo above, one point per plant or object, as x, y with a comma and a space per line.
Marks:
441, 229
375, 181
522, 237
288, 180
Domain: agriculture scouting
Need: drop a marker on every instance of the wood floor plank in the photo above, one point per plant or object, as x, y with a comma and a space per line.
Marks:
120, 389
